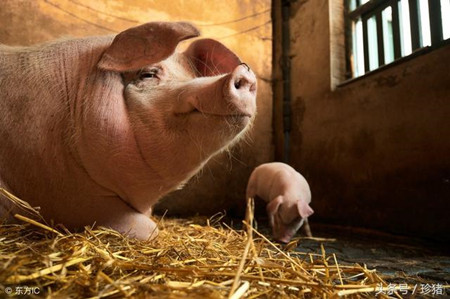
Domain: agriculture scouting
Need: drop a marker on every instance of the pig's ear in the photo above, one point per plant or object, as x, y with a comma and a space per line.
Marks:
304, 209
145, 44
211, 58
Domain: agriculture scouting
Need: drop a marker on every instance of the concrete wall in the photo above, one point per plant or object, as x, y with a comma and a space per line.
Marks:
242, 25
376, 151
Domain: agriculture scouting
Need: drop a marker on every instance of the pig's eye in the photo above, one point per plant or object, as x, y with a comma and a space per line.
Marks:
153, 73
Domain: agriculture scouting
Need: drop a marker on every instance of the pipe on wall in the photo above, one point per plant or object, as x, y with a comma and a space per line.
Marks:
286, 75
281, 74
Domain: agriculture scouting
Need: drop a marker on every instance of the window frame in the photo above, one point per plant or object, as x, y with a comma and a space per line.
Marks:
375, 8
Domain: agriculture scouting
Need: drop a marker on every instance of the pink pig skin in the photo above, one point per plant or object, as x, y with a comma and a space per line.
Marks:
288, 196
96, 130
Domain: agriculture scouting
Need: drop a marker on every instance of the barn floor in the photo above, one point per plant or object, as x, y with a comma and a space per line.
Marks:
400, 260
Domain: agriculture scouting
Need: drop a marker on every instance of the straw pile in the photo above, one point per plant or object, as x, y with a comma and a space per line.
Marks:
187, 259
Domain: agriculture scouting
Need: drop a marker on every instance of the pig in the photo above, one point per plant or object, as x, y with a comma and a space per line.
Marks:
95, 130
288, 196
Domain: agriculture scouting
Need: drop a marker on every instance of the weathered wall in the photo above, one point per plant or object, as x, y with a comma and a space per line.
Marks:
243, 26
376, 150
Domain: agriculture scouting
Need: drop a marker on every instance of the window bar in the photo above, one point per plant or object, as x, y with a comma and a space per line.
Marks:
414, 22
396, 28
366, 45
434, 8
366, 8
380, 38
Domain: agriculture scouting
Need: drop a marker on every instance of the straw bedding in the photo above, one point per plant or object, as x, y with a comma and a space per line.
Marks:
191, 258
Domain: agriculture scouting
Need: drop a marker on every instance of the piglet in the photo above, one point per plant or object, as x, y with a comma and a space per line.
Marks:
288, 196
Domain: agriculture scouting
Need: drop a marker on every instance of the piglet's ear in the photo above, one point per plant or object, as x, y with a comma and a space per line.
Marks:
211, 58
145, 44
273, 206
304, 209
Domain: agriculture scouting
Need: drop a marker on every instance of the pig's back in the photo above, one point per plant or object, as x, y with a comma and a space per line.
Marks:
38, 84
29, 93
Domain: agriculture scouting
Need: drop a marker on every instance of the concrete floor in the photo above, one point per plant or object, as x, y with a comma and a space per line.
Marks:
398, 259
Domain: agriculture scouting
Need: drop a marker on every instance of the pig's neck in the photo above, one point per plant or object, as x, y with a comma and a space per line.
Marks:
104, 144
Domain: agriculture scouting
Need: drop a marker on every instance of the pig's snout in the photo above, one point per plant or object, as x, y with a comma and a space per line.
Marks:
242, 89
244, 78
232, 95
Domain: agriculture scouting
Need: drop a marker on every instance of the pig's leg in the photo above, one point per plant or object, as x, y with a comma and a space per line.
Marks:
116, 214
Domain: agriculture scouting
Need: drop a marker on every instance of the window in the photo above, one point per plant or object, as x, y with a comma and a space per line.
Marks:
382, 31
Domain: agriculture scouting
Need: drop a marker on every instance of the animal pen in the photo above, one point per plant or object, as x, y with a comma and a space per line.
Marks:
352, 94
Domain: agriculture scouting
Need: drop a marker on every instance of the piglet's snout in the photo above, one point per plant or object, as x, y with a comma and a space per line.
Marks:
241, 90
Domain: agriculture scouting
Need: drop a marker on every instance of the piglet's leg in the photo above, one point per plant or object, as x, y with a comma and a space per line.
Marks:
307, 228
116, 214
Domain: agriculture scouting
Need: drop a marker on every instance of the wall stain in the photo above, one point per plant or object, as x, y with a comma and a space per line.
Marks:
362, 143
388, 81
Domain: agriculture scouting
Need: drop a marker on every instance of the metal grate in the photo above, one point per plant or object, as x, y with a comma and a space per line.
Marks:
382, 31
